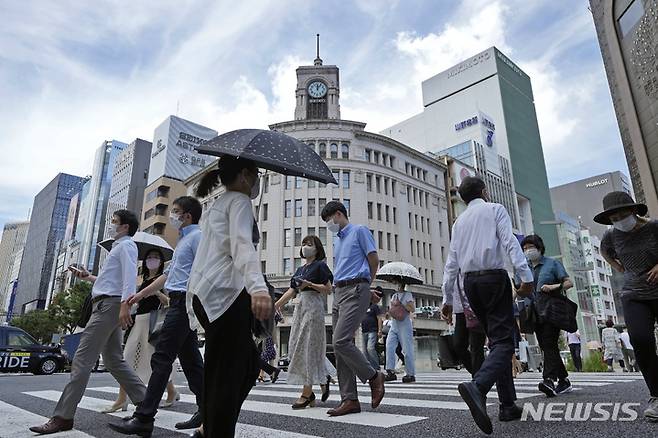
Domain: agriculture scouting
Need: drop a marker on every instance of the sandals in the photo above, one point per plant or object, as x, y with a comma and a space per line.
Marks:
308, 401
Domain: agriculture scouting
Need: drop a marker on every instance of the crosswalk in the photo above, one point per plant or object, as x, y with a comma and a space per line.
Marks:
404, 404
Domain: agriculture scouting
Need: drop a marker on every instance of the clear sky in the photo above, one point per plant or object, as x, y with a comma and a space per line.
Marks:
73, 73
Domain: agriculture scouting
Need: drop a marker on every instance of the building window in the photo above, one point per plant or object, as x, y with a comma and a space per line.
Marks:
416, 221
322, 202
323, 235
428, 226
298, 263
288, 208
263, 240
346, 179
334, 150
388, 241
376, 157
310, 231
378, 184
430, 250
286, 237
311, 207
266, 183
386, 186
298, 237
395, 238
422, 224
368, 155
392, 162
411, 244
289, 182
420, 195
393, 187
369, 182
409, 220
323, 150
408, 195
601, 277
395, 215
263, 266
630, 17
424, 250
264, 211
311, 184
286, 266
298, 207
336, 175
388, 216
379, 211
346, 203
380, 238
369, 210
345, 151
298, 182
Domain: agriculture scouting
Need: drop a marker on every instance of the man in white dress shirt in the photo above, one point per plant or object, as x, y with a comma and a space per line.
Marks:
482, 241
115, 284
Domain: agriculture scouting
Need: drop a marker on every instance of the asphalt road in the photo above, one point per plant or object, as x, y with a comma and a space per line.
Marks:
431, 407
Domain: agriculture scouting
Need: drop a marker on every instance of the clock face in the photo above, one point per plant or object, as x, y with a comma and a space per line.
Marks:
317, 89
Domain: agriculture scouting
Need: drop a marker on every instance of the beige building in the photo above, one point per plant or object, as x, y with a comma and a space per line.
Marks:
14, 235
628, 36
398, 192
158, 198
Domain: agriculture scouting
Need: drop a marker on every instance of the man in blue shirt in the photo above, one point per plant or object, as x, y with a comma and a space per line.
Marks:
355, 266
175, 338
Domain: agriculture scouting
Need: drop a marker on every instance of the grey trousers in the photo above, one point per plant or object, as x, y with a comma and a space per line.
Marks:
101, 335
349, 309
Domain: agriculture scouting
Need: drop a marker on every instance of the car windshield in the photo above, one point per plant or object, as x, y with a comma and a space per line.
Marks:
18, 339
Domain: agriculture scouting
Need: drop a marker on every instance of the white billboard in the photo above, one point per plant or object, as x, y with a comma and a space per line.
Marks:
174, 153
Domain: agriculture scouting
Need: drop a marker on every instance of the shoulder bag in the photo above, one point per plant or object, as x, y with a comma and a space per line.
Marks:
397, 310
156, 320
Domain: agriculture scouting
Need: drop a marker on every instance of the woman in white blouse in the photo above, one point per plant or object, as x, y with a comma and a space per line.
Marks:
226, 291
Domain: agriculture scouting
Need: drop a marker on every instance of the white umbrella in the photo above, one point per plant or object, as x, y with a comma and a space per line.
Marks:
145, 242
399, 272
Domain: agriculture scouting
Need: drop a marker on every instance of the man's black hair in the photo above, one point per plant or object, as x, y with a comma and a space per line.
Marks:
127, 217
535, 240
190, 205
331, 208
471, 188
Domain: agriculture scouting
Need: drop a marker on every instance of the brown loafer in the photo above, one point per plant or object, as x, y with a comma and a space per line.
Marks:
54, 425
377, 389
346, 407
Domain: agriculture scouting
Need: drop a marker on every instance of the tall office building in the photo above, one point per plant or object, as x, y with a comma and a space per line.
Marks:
94, 203
14, 235
398, 192
628, 36
583, 199
173, 160
47, 227
488, 99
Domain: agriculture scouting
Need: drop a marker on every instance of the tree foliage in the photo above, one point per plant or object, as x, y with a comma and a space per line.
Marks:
38, 323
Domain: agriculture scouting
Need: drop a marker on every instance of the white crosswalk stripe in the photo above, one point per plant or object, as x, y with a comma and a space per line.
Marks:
431, 393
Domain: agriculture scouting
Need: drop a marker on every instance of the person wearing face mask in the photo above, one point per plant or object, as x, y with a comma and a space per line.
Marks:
115, 284
307, 345
227, 292
176, 338
631, 247
355, 265
138, 339
551, 279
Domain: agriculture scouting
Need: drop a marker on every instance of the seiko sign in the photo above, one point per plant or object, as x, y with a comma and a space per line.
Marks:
596, 183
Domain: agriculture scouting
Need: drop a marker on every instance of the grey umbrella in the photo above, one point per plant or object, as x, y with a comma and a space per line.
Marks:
399, 272
145, 242
271, 150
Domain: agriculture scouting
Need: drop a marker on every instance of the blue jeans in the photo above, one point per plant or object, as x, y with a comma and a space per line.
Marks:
370, 348
402, 332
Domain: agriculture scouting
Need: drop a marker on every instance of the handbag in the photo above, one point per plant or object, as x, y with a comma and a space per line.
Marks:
472, 321
156, 320
528, 318
559, 311
397, 310
85, 312
263, 329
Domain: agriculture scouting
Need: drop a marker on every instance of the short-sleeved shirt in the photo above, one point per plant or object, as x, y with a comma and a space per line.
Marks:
638, 253
178, 271
316, 272
547, 271
351, 250
573, 338
370, 323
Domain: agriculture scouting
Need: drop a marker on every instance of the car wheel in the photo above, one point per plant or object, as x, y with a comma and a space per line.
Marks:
47, 366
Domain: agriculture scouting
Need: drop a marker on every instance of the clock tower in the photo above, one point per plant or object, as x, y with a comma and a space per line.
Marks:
317, 91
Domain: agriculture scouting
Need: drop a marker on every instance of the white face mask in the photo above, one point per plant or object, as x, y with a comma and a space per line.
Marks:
175, 221
332, 226
152, 264
532, 254
309, 251
114, 230
255, 189
626, 224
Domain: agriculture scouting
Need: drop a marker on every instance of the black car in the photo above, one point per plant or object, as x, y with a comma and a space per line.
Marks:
19, 352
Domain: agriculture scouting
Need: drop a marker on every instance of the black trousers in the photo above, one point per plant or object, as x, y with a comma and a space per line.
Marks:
232, 364
176, 339
469, 344
490, 297
547, 337
640, 318
575, 355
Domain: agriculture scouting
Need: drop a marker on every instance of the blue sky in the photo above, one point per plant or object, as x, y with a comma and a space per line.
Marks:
73, 74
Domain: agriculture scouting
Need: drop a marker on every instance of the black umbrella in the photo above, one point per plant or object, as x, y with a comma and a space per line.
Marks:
271, 150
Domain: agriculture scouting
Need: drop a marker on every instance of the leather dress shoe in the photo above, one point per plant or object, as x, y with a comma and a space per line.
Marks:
54, 425
193, 423
134, 426
346, 407
377, 389
477, 404
510, 413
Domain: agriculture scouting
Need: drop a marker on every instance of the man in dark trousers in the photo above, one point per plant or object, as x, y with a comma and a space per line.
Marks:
482, 239
176, 338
